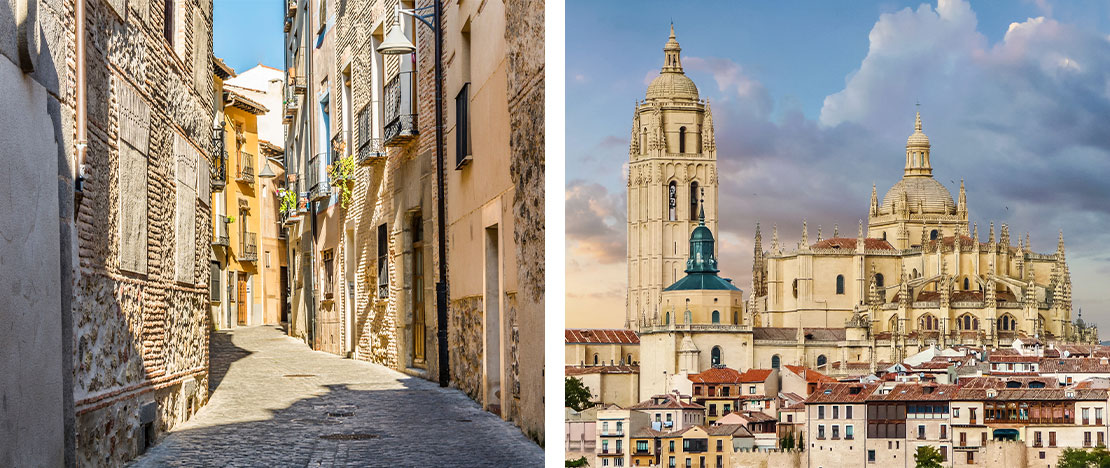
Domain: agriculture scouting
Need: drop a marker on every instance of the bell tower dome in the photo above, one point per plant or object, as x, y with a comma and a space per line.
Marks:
672, 177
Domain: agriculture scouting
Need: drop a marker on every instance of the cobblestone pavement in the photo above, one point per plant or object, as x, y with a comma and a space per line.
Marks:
276, 403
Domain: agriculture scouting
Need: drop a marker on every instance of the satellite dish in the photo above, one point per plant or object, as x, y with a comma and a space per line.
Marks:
1067, 353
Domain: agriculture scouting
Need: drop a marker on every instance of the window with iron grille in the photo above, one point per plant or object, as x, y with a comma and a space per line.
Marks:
383, 263
462, 126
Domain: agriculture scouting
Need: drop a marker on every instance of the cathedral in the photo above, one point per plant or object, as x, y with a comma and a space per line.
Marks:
915, 276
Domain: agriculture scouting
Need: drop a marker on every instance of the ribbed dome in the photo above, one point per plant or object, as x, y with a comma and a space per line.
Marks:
672, 85
701, 233
923, 191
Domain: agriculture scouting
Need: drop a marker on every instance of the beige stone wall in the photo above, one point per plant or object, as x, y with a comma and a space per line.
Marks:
140, 323
771, 459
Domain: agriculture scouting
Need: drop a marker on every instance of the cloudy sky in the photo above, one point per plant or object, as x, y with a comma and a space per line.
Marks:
813, 103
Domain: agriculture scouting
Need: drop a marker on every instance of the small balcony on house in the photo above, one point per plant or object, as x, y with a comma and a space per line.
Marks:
248, 247
370, 149
219, 160
246, 168
219, 234
290, 105
318, 186
296, 73
400, 113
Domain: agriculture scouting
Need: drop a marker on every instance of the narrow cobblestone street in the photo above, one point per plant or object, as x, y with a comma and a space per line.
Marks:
275, 402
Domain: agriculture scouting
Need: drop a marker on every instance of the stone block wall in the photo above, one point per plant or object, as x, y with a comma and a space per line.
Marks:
524, 36
464, 339
142, 228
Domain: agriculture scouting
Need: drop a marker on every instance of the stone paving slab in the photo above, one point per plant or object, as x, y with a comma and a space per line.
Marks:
276, 403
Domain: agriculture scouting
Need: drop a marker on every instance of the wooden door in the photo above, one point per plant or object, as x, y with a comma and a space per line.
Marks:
244, 299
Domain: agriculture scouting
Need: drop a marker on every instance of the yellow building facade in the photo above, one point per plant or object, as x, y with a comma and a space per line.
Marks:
235, 294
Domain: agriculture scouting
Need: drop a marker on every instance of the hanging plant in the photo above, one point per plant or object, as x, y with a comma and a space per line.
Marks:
342, 174
288, 200
230, 219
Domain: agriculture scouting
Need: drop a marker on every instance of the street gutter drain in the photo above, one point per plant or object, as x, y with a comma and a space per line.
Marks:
299, 375
349, 436
464, 420
340, 414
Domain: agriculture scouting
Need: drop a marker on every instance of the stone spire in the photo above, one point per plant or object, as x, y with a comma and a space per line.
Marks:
818, 233
708, 141
975, 234
775, 238
836, 230
634, 147
672, 54
961, 205
805, 235
874, 200
992, 233
861, 246
917, 152
758, 267
1028, 245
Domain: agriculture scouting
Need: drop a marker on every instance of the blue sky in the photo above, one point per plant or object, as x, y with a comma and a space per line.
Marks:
249, 32
813, 102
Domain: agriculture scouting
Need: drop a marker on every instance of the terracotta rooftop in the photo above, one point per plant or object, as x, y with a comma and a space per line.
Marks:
842, 393
670, 402
648, 433
849, 243
1000, 382
755, 375
809, 374
583, 370
716, 375
1012, 358
917, 392
244, 103
1075, 365
600, 336
754, 416
734, 430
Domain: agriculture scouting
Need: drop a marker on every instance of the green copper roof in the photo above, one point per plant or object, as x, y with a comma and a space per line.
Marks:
701, 281
701, 267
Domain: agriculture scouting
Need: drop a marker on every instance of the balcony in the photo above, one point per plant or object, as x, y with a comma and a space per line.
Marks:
246, 168
219, 160
295, 76
370, 149
400, 116
318, 186
291, 105
248, 247
219, 236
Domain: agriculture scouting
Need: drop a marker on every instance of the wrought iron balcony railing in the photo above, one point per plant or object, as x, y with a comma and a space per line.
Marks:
318, 186
246, 168
248, 247
370, 149
219, 236
219, 159
400, 115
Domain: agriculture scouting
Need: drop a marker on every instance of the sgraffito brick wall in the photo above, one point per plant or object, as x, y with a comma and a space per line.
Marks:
142, 227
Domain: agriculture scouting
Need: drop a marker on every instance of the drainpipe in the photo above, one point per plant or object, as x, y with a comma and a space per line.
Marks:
82, 105
441, 206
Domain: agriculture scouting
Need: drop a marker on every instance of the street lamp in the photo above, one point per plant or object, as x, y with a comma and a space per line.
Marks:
396, 43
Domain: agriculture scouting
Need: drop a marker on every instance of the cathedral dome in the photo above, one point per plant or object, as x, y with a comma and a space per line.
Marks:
925, 192
917, 139
672, 85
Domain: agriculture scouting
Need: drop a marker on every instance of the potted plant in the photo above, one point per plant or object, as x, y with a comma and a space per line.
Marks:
342, 174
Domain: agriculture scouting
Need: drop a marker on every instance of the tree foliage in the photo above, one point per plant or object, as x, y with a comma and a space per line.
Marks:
787, 442
1079, 458
579, 462
927, 456
577, 394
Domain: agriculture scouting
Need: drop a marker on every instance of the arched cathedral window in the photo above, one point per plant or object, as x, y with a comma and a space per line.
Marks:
967, 322
716, 316
775, 361
715, 355
689, 317
967, 283
928, 322
795, 289
822, 360
694, 200
933, 235
595, 359
879, 280
681, 139
1007, 323
672, 200
667, 319
735, 318
840, 284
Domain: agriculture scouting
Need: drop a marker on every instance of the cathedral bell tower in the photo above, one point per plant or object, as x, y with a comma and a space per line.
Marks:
672, 173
